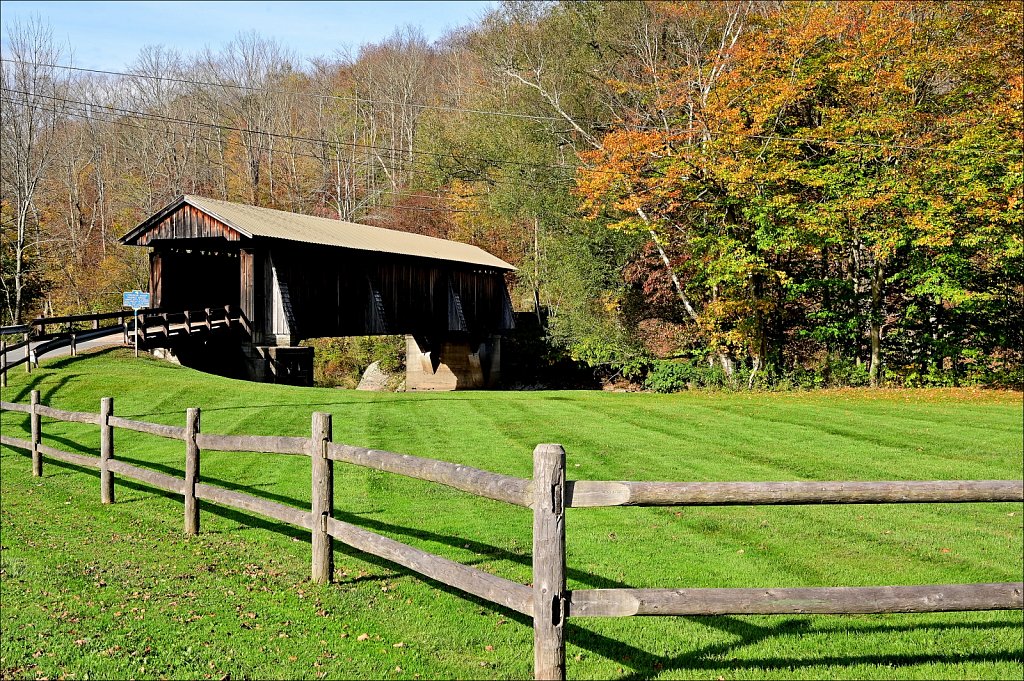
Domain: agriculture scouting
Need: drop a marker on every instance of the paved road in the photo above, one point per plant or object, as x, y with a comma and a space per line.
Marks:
113, 338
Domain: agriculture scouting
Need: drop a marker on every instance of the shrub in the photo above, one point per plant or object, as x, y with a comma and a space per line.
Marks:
340, 362
669, 377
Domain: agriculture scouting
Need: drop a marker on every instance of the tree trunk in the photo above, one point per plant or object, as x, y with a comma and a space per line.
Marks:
536, 270
877, 282
668, 266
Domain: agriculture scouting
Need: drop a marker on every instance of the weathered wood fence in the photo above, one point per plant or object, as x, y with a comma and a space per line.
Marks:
548, 494
156, 328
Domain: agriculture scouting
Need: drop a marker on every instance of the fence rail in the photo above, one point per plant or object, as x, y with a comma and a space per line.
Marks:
247, 502
263, 444
826, 600
465, 478
62, 415
548, 494
158, 429
155, 327
589, 493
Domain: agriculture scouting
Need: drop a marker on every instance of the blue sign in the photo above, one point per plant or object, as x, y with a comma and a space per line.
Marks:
136, 299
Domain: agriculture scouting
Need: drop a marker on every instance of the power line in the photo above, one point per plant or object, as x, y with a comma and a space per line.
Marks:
294, 153
554, 181
412, 167
509, 114
413, 163
550, 184
348, 98
299, 138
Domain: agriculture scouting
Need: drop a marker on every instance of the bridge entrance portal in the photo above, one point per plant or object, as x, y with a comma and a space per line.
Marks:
193, 278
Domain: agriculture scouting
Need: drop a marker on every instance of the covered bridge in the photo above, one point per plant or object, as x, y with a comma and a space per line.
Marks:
295, 277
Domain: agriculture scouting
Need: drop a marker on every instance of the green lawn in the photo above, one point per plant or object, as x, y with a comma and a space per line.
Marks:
114, 592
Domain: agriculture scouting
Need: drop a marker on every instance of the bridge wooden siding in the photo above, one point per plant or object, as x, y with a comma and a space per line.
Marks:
382, 294
187, 222
296, 284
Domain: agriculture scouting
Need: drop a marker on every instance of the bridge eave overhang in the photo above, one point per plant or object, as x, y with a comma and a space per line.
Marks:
182, 219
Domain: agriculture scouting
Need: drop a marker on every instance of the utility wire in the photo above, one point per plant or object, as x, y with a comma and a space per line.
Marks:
299, 138
347, 98
292, 153
509, 114
549, 184
555, 182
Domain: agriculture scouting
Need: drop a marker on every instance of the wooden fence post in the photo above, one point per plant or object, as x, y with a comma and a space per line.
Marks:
139, 324
106, 450
191, 471
74, 344
28, 351
549, 594
323, 500
3, 364
37, 436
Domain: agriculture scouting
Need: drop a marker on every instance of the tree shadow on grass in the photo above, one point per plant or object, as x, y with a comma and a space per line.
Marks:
644, 665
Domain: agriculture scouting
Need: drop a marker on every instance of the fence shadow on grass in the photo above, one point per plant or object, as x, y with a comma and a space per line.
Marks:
712, 657
489, 551
34, 384
717, 657
85, 354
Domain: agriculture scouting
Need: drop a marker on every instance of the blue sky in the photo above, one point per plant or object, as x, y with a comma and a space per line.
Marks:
108, 35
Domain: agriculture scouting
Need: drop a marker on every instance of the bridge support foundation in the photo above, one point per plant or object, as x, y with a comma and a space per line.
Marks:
452, 364
260, 363
290, 365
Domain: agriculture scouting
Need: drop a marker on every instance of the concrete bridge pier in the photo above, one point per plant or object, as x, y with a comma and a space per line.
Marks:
452, 363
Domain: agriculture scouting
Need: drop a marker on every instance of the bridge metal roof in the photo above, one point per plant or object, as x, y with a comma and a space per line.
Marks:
251, 221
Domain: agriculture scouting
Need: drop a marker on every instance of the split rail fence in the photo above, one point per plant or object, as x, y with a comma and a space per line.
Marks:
548, 494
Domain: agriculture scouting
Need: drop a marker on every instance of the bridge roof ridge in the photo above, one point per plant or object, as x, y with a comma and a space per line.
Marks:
254, 221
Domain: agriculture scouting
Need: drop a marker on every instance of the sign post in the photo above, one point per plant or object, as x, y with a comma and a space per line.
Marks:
136, 300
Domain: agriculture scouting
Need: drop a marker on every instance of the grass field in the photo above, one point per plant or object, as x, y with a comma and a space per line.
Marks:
113, 592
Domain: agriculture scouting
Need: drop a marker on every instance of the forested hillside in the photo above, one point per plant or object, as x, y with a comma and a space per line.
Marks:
694, 193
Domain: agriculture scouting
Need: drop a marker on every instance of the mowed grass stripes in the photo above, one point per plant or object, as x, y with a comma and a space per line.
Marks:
118, 591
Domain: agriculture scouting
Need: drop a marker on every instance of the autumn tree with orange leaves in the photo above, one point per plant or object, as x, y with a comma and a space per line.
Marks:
820, 192
846, 175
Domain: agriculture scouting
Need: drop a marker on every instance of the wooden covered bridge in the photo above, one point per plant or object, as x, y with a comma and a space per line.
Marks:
294, 277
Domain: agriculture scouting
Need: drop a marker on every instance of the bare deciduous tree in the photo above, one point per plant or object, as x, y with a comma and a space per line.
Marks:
34, 106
